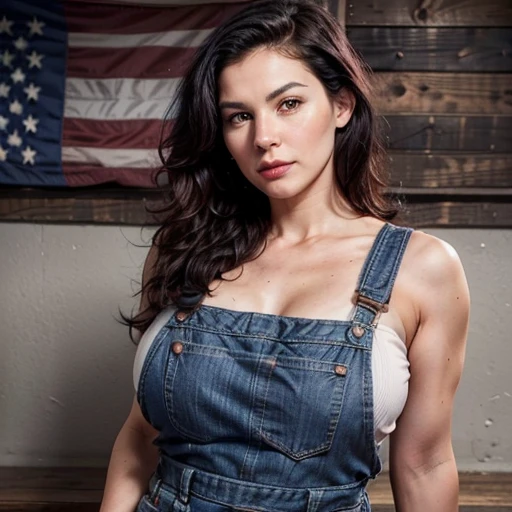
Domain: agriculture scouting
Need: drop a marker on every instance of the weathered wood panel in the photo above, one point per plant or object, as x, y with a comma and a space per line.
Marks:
80, 490
449, 133
482, 212
434, 49
443, 93
460, 13
119, 206
456, 214
409, 169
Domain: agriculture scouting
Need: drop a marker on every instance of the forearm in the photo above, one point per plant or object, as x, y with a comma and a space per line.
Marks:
134, 458
426, 490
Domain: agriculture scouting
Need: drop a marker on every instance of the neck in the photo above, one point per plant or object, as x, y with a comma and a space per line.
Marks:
317, 214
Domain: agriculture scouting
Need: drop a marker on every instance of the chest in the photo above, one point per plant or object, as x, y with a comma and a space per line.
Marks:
316, 280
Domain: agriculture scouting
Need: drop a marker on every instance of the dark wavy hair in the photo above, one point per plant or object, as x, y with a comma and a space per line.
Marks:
213, 219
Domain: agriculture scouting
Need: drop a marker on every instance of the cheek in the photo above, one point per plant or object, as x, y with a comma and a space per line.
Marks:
315, 132
235, 142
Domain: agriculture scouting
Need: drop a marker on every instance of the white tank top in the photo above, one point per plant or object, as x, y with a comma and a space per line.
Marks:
390, 372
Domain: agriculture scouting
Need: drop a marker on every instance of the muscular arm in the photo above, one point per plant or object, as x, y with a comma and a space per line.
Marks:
134, 457
422, 464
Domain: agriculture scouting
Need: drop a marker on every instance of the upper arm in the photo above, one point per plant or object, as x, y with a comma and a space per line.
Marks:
136, 421
147, 274
422, 438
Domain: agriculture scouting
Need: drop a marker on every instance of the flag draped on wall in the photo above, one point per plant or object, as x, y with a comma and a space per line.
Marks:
84, 85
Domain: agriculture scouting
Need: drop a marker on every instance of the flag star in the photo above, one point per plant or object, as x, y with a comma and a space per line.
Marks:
3, 122
32, 92
30, 124
5, 26
16, 107
20, 44
28, 155
36, 27
18, 76
4, 90
14, 139
3, 154
35, 60
7, 58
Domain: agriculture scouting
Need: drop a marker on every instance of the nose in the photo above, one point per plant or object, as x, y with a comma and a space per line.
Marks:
266, 133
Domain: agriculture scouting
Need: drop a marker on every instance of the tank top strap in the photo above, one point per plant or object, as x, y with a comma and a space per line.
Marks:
379, 273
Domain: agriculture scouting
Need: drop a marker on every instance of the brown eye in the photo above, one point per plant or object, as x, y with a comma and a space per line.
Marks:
291, 104
238, 118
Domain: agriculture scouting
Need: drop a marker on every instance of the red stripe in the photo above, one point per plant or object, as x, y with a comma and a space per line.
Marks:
134, 19
87, 175
145, 62
128, 134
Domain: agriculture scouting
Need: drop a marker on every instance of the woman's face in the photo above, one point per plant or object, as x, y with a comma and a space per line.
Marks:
273, 108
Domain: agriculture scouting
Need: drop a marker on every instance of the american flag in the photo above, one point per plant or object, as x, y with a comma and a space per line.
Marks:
84, 85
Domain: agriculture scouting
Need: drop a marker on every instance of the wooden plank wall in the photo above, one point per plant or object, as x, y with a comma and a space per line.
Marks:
443, 70
444, 75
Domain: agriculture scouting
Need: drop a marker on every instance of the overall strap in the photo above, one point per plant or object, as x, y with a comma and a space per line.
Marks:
379, 272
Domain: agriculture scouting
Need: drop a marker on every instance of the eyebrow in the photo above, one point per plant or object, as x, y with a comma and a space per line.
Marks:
273, 95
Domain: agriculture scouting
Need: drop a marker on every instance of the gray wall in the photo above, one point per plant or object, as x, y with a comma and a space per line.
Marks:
65, 364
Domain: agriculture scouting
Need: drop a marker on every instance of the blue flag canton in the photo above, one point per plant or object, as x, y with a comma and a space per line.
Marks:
33, 43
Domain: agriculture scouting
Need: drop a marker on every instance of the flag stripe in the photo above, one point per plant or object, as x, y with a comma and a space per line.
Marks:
116, 109
109, 19
87, 175
139, 134
177, 38
140, 158
154, 62
122, 89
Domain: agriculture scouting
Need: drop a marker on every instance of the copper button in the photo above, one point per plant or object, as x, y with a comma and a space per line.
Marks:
177, 347
181, 315
358, 331
339, 369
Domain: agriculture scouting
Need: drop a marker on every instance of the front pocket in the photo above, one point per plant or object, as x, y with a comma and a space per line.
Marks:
303, 405
211, 392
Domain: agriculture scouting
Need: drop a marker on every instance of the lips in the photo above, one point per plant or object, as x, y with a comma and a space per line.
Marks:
265, 166
273, 173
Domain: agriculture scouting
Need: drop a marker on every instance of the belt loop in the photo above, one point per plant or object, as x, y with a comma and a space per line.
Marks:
314, 500
155, 484
185, 483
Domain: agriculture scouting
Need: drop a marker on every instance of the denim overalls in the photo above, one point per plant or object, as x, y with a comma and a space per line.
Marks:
268, 413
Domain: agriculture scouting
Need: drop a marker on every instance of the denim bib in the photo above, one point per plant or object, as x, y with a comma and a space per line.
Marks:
268, 413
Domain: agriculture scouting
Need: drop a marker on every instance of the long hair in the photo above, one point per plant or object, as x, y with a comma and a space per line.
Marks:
214, 219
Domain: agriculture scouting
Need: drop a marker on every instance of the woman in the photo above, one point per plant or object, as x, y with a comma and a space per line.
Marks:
265, 383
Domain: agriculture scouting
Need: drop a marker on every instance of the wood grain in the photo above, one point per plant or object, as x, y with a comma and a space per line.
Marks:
432, 170
443, 93
449, 133
434, 49
80, 490
460, 13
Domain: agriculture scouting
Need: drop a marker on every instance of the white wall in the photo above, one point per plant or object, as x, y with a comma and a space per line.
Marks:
65, 364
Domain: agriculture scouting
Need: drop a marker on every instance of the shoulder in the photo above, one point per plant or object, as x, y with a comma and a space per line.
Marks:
437, 284
432, 259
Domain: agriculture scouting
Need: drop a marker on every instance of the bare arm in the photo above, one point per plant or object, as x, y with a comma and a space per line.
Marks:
134, 458
422, 464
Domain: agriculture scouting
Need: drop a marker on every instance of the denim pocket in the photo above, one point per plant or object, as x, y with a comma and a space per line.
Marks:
210, 392
290, 403
303, 405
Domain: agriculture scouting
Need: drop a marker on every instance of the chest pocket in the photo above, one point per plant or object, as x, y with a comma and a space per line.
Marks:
289, 403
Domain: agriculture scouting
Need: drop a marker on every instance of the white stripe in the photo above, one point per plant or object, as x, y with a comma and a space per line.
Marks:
136, 158
118, 99
173, 38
